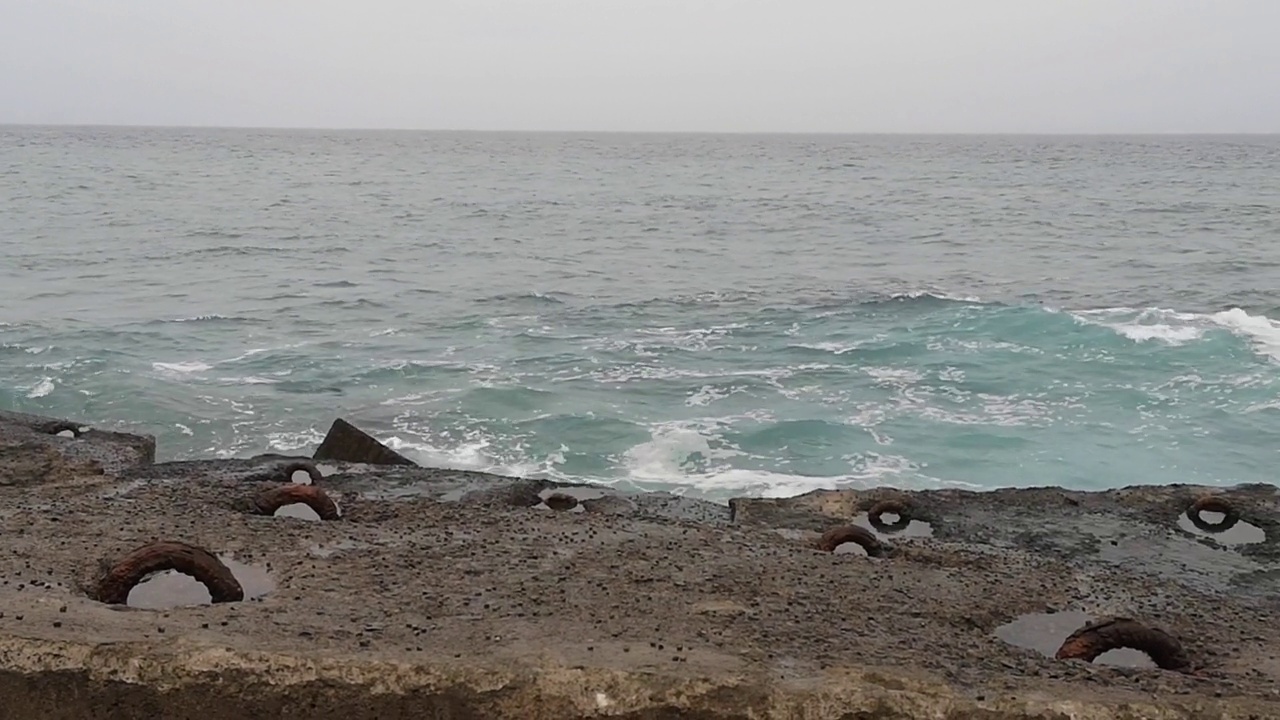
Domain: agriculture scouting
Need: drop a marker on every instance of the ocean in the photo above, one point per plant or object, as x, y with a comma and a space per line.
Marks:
714, 315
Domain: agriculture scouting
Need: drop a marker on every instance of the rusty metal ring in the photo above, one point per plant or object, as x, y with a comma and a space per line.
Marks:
115, 584
1093, 639
560, 501
309, 468
896, 507
838, 536
1213, 503
269, 501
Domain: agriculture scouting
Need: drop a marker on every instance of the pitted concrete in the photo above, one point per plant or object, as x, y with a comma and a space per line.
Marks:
451, 594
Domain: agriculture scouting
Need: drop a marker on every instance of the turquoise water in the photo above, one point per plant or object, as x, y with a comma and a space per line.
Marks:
713, 314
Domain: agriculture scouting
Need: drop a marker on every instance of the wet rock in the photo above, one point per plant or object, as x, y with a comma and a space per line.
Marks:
81, 448
348, 443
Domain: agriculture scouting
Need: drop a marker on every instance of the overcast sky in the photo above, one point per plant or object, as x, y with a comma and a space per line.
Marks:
703, 65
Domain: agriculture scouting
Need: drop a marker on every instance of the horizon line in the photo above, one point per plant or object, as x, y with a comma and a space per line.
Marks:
884, 133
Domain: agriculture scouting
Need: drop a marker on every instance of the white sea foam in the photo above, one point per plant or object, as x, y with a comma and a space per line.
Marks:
181, 368
939, 295
475, 453
42, 388
245, 355
1178, 328
694, 455
1263, 332
836, 348
1167, 333
201, 318
708, 394
247, 380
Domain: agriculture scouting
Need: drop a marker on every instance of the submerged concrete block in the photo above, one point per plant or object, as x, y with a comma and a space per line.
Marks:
347, 443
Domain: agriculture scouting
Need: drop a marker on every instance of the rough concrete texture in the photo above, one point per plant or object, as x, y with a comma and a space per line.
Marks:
37, 449
445, 594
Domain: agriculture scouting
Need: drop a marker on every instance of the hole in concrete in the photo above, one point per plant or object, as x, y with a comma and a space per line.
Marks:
297, 510
912, 528
170, 589
63, 429
1234, 533
568, 499
1045, 632
297, 472
850, 548
560, 502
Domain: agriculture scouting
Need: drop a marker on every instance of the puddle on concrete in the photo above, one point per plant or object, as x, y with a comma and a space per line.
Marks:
454, 495
1045, 633
1242, 533
301, 511
914, 528
170, 589
850, 548
577, 493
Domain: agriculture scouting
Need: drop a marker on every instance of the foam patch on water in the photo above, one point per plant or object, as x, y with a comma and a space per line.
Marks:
1177, 328
41, 389
476, 453
204, 318
835, 348
708, 394
693, 454
181, 368
1262, 331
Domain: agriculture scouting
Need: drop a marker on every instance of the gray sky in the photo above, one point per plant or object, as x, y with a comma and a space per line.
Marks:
714, 65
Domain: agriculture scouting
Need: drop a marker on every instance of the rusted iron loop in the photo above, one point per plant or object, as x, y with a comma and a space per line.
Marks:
269, 501
155, 557
895, 507
309, 468
1213, 503
1093, 639
838, 536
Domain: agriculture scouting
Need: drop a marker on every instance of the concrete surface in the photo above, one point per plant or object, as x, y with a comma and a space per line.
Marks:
443, 594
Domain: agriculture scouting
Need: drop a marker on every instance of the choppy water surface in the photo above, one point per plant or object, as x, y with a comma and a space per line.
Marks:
719, 314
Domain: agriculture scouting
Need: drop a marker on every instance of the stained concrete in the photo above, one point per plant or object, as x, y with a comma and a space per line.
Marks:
453, 595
